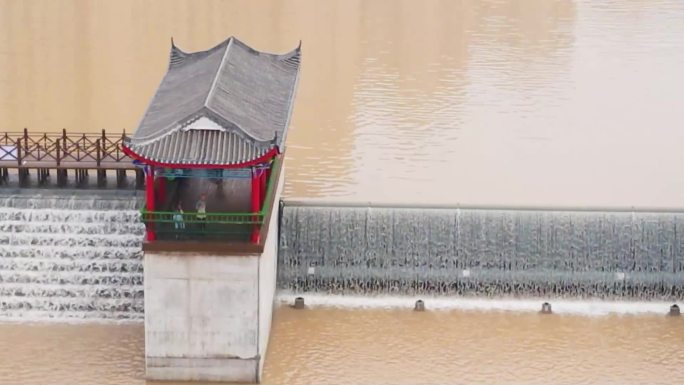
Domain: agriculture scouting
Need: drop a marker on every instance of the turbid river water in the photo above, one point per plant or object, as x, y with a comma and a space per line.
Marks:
383, 346
539, 102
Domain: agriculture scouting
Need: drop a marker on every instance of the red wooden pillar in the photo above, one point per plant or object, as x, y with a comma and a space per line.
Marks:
256, 202
149, 198
161, 191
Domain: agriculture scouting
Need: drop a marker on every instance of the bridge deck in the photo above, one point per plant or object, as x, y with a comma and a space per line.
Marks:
84, 165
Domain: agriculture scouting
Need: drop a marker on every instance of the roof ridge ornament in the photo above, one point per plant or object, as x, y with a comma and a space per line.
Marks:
177, 55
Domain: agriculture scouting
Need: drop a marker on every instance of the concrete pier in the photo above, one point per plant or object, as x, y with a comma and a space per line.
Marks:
208, 317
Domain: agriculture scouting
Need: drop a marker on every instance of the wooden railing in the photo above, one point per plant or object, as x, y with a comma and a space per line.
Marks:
65, 153
56, 150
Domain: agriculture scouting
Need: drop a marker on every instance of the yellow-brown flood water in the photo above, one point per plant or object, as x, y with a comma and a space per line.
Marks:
530, 102
383, 346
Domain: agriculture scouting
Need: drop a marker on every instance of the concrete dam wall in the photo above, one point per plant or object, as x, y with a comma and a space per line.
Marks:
342, 249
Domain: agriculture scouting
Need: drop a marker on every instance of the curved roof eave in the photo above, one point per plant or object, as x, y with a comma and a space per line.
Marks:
294, 52
267, 156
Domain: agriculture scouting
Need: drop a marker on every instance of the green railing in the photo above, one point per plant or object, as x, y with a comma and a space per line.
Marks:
177, 218
222, 226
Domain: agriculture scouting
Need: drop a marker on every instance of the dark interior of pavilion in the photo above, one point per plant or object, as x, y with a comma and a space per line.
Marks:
222, 195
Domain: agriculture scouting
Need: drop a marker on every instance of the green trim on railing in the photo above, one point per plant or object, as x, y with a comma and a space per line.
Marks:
209, 231
270, 187
212, 218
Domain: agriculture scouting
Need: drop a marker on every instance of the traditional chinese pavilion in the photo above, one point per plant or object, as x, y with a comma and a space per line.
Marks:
215, 132
211, 145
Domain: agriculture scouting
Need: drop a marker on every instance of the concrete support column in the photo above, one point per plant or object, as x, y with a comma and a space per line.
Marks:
101, 177
208, 317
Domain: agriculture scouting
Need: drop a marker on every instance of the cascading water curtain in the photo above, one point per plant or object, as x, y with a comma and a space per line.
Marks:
482, 252
70, 258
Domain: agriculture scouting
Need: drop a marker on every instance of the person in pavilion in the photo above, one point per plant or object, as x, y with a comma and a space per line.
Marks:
178, 222
201, 208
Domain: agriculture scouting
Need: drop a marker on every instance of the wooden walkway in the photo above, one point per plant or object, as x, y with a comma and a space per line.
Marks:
65, 153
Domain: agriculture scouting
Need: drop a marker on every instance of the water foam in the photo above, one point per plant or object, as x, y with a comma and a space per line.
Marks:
560, 306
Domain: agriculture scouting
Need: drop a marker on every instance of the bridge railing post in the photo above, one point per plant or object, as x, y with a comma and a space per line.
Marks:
45, 147
26, 145
64, 143
58, 154
118, 148
23, 172
99, 152
103, 142
19, 152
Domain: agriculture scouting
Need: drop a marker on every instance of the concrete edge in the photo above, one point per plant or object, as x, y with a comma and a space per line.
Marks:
312, 202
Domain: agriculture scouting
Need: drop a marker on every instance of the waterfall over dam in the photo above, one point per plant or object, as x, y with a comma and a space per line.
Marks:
485, 252
66, 256
78, 255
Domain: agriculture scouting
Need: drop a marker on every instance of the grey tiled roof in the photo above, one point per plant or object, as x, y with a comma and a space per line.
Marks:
248, 94
201, 147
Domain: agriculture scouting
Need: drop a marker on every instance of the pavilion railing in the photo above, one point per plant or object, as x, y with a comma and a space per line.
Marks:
187, 226
177, 218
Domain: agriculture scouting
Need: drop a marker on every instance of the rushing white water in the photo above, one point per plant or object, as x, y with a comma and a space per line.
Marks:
79, 257
70, 257
492, 253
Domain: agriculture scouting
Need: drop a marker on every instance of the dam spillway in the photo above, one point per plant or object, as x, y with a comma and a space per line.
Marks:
481, 252
79, 256
66, 256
